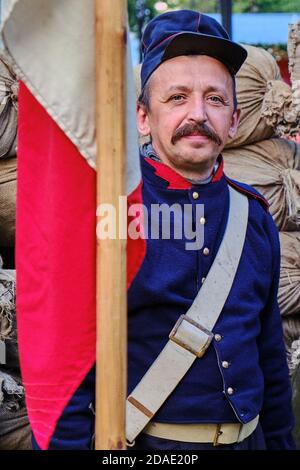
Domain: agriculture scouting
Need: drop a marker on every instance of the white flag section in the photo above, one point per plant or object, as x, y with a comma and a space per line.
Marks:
52, 44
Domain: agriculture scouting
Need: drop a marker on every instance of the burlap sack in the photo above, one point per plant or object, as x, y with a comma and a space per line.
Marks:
8, 183
291, 328
291, 333
272, 167
8, 329
281, 106
289, 286
251, 83
289, 296
294, 51
15, 432
8, 108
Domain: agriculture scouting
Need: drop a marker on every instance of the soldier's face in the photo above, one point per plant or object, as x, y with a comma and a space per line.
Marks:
191, 113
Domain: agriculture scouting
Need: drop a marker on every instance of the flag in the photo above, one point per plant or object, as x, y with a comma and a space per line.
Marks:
52, 46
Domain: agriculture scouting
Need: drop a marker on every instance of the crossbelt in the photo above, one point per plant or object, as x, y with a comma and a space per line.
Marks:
225, 433
192, 334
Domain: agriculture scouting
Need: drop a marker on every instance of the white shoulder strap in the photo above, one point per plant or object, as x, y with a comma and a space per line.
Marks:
192, 333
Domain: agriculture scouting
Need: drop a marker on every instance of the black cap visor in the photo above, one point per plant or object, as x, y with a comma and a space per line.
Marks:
231, 54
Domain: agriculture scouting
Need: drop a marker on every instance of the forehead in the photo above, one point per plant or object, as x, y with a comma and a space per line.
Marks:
191, 71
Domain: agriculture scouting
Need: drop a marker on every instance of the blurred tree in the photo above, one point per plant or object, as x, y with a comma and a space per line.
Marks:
133, 11
206, 6
213, 6
265, 6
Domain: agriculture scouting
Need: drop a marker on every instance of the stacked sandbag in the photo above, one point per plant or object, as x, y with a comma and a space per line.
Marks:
289, 289
15, 432
8, 108
272, 167
289, 295
8, 163
8, 186
251, 82
281, 106
291, 331
261, 156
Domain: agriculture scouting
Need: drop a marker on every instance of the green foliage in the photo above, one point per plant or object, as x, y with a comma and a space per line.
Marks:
206, 6
213, 6
149, 4
265, 6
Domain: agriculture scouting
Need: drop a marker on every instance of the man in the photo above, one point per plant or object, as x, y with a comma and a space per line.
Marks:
188, 108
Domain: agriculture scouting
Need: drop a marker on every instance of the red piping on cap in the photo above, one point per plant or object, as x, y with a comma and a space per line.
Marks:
198, 23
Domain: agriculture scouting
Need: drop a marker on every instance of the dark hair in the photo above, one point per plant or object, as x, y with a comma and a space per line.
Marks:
235, 103
144, 97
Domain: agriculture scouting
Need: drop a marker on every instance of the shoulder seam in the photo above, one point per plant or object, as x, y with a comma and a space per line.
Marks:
264, 203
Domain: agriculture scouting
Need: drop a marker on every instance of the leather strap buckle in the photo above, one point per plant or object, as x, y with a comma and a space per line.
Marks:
191, 336
217, 435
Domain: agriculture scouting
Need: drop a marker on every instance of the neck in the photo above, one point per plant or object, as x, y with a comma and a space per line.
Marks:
197, 173
197, 176
202, 173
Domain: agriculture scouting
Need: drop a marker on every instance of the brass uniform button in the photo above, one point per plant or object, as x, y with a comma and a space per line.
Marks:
225, 364
202, 220
206, 251
195, 195
218, 337
203, 279
230, 391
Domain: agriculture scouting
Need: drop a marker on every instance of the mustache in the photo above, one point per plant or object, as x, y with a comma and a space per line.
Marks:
191, 128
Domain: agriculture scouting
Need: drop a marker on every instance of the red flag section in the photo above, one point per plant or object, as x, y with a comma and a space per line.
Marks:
55, 261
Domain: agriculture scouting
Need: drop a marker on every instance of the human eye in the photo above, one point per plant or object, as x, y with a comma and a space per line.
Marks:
176, 98
217, 99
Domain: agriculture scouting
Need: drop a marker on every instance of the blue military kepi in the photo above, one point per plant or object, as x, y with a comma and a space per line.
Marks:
187, 32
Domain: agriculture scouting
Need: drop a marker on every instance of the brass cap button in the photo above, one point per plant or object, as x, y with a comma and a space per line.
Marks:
230, 391
206, 251
202, 220
218, 337
195, 195
225, 364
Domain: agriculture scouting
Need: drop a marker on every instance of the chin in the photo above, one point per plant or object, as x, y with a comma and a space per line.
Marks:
196, 159
199, 152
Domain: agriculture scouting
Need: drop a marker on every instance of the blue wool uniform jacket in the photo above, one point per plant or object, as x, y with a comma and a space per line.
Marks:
244, 371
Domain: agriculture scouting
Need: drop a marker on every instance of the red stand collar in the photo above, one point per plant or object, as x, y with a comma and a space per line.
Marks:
175, 180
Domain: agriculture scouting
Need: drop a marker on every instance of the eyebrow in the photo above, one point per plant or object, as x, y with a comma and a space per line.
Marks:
177, 88
210, 88
216, 89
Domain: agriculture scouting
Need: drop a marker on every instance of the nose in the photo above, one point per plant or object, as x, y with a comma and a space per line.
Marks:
197, 109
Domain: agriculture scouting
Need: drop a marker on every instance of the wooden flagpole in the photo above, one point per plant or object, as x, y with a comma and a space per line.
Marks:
111, 370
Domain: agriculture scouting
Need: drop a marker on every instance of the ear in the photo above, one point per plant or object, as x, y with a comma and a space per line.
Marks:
142, 120
234, 123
